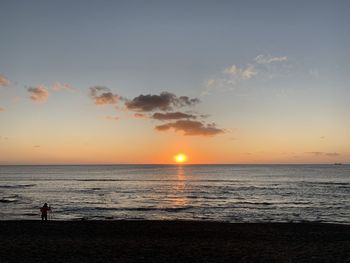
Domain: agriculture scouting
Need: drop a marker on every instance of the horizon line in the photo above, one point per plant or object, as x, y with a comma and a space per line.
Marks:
168, 164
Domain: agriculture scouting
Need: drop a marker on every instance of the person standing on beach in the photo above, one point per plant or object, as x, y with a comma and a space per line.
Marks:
44, 211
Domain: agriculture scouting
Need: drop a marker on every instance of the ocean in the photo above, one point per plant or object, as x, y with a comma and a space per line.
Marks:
227, 193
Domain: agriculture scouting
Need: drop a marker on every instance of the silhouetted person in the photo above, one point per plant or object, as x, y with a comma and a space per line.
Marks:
44, 211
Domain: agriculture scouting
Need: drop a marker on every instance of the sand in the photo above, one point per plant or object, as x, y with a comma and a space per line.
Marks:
172, 241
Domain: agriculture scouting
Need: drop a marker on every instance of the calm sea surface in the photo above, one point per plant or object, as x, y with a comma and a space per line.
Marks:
232, 193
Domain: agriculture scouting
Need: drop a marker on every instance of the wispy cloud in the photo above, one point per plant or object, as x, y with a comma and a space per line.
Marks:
172, 116
38, 94
138, 115
164, 101
315, 153
192, 128
267, 59
57, 86
111, 118
332, 154
4, 82
103, 96
233, 76
241, 73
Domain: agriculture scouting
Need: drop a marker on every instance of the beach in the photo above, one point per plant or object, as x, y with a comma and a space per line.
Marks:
172, 241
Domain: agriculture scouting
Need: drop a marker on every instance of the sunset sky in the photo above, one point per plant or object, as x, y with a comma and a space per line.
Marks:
141, 81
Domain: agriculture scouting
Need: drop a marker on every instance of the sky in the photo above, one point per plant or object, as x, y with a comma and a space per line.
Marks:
112, 82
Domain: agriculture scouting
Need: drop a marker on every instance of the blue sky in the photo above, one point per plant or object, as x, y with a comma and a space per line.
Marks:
186, 48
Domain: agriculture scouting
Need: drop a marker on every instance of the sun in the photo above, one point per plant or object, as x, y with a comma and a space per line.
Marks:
180, 158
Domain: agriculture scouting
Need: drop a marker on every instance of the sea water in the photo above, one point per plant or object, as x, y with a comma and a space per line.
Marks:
230, 193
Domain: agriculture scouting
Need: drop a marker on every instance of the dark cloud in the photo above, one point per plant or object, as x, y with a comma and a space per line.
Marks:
172, 116
144, 107
185, 101
189, 127
38, 94
324, 153
103, 96
165, 101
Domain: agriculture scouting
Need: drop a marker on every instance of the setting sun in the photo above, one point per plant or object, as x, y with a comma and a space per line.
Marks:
180, 158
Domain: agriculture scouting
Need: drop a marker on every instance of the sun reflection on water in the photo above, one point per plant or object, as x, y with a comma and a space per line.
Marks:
180, 199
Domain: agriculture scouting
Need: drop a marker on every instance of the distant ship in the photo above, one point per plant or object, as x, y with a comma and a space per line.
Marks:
337, 163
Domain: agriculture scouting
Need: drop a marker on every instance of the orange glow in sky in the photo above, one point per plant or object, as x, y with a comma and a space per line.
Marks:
190, 103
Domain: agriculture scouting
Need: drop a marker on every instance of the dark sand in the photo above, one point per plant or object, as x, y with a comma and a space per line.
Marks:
171, 241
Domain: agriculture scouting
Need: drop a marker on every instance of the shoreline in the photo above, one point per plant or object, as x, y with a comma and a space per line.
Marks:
111, 221
172, 241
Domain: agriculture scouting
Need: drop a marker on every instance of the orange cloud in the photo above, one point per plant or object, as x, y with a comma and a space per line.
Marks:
4, 82
103, 96
111, 118
57, 86
140, 116
38, 94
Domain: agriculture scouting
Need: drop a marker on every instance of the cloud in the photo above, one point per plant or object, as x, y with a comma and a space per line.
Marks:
103, 96
192, 128
172, 116
165, 101
111, 118
2, 109
4, 82
233, 76
138, 115
241, 73
38, 94
57, 86
324, 153
315, 153
267, 59
333, 154
144, 107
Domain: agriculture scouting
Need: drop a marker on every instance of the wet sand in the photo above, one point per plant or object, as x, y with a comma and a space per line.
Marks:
172, 241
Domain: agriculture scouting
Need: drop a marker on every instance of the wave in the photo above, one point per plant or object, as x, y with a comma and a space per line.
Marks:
155, 180
272, 203
326, 183
9, 199
17, 186
139, 209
